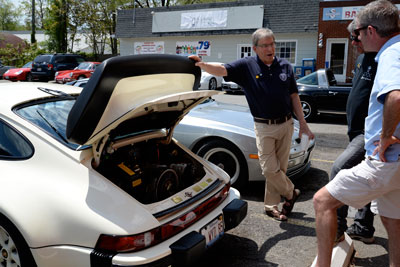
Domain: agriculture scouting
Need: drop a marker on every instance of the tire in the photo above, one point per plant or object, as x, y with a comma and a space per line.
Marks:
81, 77
309, 110
212, 85
13, 249
29, 77
228, 157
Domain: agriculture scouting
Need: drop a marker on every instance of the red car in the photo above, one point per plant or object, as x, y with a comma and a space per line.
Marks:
84, 70
19, 74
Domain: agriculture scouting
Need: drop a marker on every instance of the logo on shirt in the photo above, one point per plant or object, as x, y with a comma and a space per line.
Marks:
283, 77
367, 75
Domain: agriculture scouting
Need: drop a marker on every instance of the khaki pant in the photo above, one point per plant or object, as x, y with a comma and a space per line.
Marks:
273, 144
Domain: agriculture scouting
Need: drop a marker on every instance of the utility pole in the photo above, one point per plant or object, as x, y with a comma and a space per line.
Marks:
33, 39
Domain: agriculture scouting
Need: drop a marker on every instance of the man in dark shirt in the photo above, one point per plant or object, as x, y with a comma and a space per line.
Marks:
357, 110
271, 92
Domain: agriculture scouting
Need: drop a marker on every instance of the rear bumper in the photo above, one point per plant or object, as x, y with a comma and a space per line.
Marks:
187, 249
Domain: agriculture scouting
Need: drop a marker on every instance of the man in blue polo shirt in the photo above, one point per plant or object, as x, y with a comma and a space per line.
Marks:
271, 92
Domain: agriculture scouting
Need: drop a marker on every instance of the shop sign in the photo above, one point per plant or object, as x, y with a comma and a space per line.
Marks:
200, 48
149, 48
342, 13
204, 19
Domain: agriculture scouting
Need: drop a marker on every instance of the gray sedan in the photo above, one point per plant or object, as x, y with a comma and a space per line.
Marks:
224, 134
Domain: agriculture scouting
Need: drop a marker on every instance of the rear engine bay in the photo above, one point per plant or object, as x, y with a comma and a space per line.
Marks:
150, 170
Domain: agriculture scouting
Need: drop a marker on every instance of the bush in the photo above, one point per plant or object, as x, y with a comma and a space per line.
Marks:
19, 55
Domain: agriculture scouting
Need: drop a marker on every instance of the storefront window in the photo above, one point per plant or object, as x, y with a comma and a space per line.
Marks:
286, 50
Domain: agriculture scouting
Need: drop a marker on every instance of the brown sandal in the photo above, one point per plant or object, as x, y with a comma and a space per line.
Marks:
276, 214
289, 204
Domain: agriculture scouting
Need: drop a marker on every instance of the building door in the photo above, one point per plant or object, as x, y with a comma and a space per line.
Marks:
244, 50
336, 57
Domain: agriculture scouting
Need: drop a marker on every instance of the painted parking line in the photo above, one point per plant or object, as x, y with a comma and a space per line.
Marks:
324, 160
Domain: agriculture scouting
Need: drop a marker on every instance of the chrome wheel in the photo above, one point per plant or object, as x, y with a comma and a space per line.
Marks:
228, 157
226, 160
308, 110
213, 84
9, 255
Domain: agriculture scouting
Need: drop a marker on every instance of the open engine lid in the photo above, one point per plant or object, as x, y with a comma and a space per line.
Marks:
128, 94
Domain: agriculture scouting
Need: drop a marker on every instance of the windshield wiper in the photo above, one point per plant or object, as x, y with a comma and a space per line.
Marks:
52, 127
56, 93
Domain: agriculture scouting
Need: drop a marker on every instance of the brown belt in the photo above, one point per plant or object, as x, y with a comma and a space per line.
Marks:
273, 121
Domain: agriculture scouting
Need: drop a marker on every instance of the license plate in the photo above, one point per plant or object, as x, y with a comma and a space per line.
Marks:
7, 77
39, 69
214, 230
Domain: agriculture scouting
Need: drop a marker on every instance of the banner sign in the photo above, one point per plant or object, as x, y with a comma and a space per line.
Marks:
149, 48
200, 48
204, 19
342, 13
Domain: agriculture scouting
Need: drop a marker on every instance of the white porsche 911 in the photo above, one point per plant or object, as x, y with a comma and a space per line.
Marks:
94, 177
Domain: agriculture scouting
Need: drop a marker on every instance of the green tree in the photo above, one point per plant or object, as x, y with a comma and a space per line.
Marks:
8, 16
55, 25
40, 12
19, 55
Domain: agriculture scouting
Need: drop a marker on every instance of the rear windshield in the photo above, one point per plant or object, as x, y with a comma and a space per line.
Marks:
41, 59
51, 117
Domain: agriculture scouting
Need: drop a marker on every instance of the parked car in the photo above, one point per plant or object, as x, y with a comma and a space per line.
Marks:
19, 74
231, 87
209, 81
224, 134
3, 69
84, 70
93, 177
320, 93
79, 83
44, 67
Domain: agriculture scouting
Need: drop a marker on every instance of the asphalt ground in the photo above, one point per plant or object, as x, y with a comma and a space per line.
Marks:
261, 241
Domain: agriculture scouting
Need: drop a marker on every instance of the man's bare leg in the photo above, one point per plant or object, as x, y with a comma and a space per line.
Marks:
325, 207
392, 227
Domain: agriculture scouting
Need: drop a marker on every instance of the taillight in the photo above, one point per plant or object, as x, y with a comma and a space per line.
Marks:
49, 66
155, 236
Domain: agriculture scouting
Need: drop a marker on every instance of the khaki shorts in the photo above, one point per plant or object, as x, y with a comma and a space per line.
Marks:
371, 180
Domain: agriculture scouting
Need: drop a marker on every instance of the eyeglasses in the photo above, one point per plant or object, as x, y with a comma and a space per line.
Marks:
357, 31
266, 45
354, 38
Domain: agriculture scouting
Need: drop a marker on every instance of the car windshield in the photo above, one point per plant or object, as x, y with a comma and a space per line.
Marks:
311, 79
51, 117
84, 66
43, 58
28, 65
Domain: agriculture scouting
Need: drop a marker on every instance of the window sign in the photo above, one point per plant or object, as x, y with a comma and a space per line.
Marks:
204, 19
200, 48
149, 48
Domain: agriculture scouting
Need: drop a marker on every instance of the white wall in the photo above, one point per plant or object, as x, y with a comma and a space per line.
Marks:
224, 48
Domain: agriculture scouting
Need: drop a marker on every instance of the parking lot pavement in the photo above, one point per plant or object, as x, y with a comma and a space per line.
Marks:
262, 241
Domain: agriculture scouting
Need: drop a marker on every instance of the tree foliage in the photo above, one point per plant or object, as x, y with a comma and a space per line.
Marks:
8, 16
63, 20
19, 55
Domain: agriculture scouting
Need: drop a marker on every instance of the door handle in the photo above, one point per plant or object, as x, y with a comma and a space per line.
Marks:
332, 93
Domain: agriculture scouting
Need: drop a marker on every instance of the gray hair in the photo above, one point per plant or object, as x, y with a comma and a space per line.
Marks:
381, 14
260, 34
352, 26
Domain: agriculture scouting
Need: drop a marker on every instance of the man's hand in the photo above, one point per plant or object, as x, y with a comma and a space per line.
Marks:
383, 144
212, 68
304, 129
